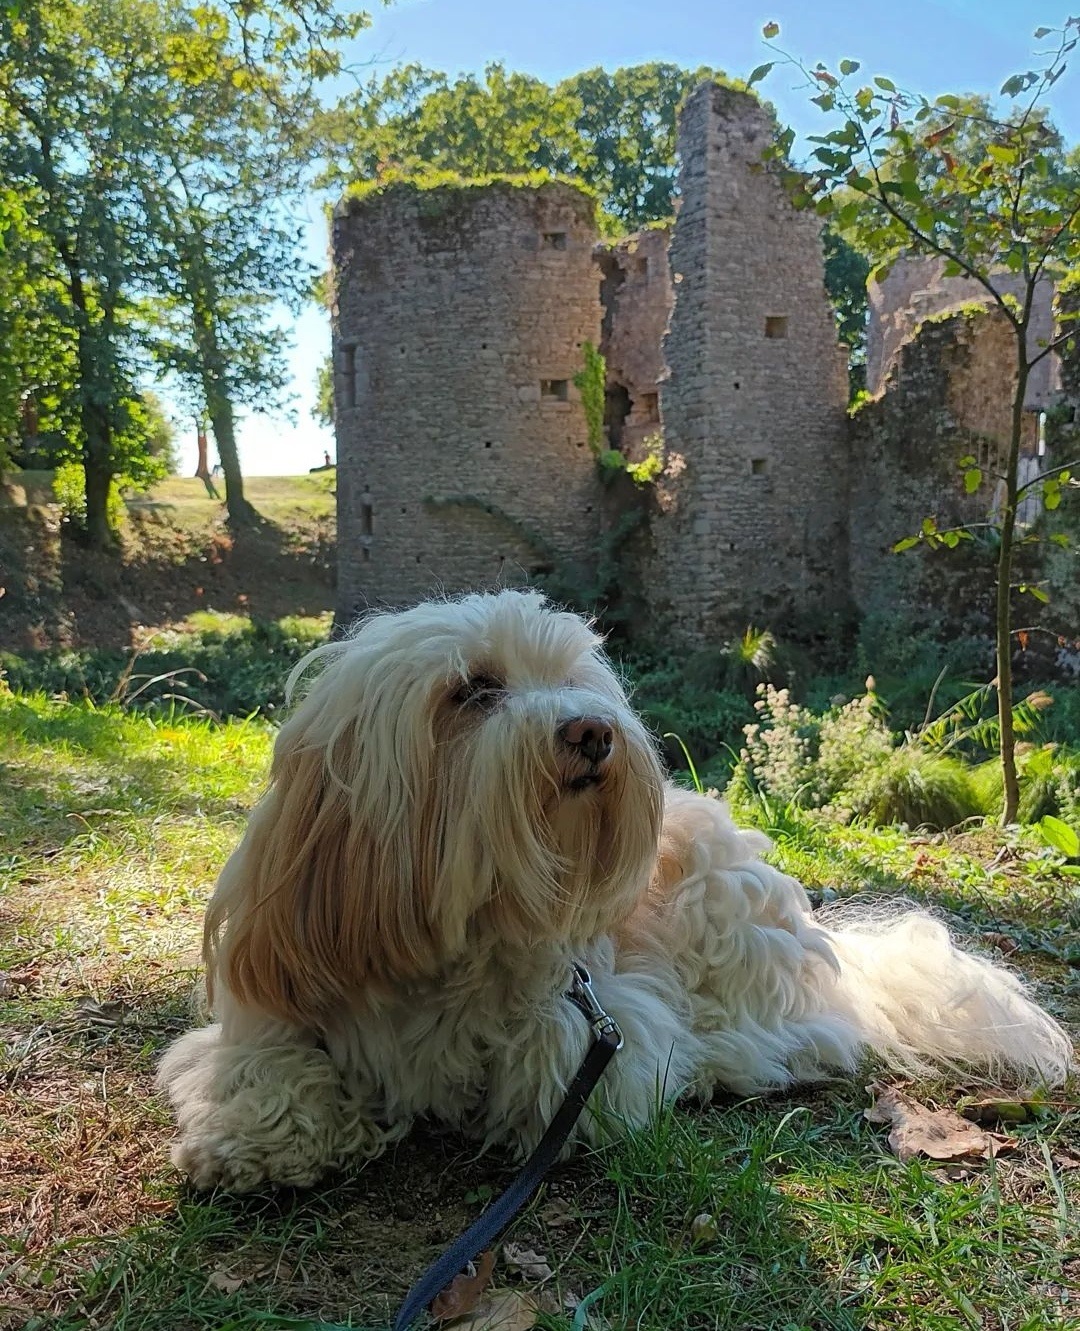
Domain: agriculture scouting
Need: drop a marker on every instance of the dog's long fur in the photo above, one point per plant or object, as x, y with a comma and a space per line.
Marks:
393, 936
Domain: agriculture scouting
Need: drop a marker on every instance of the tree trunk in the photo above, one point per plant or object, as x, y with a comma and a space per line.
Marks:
221, 418
1007, 742
202, 468
99, 535
97, 431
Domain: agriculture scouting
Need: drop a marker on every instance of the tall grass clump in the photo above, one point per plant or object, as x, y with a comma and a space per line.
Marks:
221, 664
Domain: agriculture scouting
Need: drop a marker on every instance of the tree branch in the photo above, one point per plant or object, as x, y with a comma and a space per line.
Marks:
1045, 476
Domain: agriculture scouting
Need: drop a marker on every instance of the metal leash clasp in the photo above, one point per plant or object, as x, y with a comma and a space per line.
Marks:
583, 997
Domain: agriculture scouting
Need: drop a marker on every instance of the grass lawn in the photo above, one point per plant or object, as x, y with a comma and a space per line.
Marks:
112, 829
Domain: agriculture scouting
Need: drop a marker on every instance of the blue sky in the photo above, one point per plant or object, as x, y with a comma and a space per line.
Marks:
929, 46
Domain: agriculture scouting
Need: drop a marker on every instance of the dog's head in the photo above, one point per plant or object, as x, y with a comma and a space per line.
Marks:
461, 774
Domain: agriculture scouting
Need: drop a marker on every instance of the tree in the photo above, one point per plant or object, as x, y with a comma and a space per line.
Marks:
323, 410
74, 135
846, 272
986, 192
154, 148
242, 98
615, 132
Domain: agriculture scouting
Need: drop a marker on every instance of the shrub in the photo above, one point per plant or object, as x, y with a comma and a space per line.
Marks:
229, 667
914, 787
69, 490
781, 749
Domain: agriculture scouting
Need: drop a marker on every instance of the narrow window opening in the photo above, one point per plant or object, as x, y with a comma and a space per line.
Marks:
487, 443
641, 265
731, 546
776, 325
650, 406
367, 516
555, 390
617, 406
554, 240
759, 466
365, 554
736, 383
347, 369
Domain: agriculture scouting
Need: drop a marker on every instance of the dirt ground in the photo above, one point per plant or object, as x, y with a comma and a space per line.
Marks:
177, 555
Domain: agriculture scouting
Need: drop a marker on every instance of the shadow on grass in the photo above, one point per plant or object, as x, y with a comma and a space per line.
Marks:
808, 1223
61, 594
347, 1253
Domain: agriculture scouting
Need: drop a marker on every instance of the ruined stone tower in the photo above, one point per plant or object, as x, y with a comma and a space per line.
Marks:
459, 320
754, 494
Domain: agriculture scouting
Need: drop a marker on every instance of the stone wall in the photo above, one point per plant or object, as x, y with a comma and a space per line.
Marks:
948, 395
638, 297
459, 318
916, 288
753, 520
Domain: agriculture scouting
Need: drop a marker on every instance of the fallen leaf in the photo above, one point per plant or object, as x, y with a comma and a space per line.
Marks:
703, 1230
1065, 1159
225, 1281
463, 1292
1002, 942
101, 1014
501, 1310
526, 1263
938, 1134
558, 1212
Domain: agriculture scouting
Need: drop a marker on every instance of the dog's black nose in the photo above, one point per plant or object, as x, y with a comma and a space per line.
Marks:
592, 736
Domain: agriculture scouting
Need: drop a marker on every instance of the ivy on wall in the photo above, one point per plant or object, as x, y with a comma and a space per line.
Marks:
591, 383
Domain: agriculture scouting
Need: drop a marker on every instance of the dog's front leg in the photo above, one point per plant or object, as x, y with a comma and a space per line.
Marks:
266, 1111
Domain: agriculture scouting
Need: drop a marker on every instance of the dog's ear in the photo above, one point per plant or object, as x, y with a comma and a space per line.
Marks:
326, 895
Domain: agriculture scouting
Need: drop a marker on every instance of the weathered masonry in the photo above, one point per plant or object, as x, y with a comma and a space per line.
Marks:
462, 319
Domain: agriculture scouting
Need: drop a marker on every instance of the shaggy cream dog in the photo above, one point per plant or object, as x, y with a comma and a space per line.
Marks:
462, 806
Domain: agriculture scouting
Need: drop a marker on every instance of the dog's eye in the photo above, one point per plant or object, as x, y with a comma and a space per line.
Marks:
478, 690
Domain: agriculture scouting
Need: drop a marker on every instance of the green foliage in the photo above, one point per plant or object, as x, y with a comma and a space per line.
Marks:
848, 762
972, 725
591, 383
846, 273
651, 465
707, 719
69, 489
611, 131
738, 666
148, 154
987, 191
915, 789
225, 667
323, 410
439, 189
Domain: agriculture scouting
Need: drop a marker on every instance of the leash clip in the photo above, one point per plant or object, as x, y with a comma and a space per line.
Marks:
583, 997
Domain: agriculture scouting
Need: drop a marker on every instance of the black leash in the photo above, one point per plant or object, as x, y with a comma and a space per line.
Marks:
607, 1041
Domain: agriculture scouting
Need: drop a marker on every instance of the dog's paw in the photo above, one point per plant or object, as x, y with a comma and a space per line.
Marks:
238, 1166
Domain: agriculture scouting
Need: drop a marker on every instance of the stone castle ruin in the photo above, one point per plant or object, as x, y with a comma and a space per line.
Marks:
462, 321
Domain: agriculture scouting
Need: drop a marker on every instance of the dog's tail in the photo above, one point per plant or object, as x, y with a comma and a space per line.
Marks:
921, 1003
